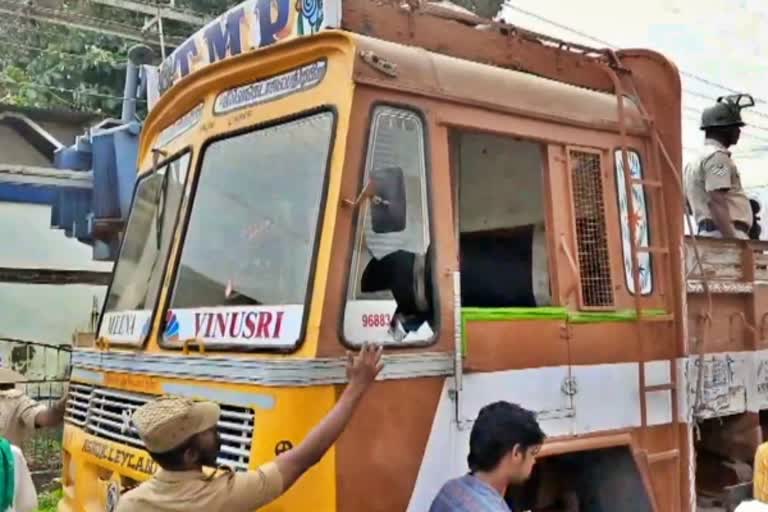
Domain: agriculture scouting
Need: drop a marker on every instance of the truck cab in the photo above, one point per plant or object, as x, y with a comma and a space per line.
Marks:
488, 203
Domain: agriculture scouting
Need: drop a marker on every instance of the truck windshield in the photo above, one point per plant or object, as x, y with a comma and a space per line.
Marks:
247, 259
139, 268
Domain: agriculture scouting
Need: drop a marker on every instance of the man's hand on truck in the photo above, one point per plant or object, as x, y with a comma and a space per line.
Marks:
362, 370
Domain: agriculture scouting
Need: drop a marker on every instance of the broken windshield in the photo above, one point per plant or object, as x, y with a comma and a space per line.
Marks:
139, 269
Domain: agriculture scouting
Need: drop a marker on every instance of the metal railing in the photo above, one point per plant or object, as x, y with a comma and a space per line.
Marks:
46, 369
736, 262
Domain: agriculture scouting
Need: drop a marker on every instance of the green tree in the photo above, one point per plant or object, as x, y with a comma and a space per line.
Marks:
57, 67
51, 66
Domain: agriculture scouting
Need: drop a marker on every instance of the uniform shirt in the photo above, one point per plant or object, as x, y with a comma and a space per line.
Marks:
752, 506
190, 491
25, 499
17, 416
760, 474
713, 169
468, 494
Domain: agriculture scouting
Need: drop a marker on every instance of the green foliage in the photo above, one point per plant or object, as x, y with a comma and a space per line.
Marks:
43, 451
57, 67
50, 66
46, 502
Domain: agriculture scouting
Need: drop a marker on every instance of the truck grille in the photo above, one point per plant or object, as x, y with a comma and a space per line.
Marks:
77, 403
106, 413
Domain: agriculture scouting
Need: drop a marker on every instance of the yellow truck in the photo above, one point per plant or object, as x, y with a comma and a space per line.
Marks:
490, 204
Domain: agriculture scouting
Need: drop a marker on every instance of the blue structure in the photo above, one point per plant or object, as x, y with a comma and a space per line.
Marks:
97, 217
109, 152
26, 178
90, 185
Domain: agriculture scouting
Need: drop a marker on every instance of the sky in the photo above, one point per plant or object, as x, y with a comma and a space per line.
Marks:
716, 44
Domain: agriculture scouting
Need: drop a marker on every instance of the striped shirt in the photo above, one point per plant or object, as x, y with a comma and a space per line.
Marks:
468, 494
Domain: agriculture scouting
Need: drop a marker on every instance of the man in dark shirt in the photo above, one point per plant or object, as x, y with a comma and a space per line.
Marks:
503, 445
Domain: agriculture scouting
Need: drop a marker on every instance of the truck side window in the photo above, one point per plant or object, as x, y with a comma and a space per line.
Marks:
642, 229
501, 216
389, 295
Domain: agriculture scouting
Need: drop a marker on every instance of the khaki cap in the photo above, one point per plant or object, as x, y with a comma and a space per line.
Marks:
8, 376
166, 423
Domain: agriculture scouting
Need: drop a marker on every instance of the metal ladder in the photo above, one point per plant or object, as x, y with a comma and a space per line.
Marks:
653, 191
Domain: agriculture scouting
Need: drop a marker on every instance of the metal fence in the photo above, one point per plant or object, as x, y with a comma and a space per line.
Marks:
46, 370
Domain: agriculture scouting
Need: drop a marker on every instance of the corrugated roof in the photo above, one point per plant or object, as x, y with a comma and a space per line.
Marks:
74, 117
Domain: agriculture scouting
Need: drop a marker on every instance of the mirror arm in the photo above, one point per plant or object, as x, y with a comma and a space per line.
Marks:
365, 193
157, 154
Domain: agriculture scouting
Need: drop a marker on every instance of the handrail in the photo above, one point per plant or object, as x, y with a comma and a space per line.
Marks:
698, 405
628, 186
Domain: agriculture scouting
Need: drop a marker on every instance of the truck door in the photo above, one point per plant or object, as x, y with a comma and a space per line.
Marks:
514, 333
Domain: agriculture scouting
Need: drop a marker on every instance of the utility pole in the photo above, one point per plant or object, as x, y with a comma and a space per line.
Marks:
169, 11
158, 12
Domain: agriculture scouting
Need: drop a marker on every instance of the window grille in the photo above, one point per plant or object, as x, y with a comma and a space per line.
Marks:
591, 230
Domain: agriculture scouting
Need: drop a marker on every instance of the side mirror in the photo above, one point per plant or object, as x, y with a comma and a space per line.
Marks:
388, 207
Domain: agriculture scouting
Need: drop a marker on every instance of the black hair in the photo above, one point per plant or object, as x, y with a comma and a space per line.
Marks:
499, 427
6, 386
173, 460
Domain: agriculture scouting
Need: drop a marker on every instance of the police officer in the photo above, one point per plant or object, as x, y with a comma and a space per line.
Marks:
20, 415
181, 436
713, 185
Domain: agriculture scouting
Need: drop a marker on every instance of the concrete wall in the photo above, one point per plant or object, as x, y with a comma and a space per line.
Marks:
500, 182
43, 313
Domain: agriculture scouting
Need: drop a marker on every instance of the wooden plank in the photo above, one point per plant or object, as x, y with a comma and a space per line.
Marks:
52, 276
717, 260
45, 176
722, 272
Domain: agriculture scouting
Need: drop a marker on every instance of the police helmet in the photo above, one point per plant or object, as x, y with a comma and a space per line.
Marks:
726, 112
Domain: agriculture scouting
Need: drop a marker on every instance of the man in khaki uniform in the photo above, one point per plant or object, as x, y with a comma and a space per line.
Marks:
719, 205
182, 437
20, 415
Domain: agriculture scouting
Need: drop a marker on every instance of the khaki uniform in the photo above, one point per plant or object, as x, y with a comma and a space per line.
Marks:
713, 169
17, 416
189, 491
165, 424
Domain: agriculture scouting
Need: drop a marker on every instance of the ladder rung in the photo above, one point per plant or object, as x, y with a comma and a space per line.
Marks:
654, 249
648, 183
659, 387
657, 318
663, 456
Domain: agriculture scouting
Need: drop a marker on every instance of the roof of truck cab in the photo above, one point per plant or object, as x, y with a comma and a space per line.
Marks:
418, 71
432, 74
